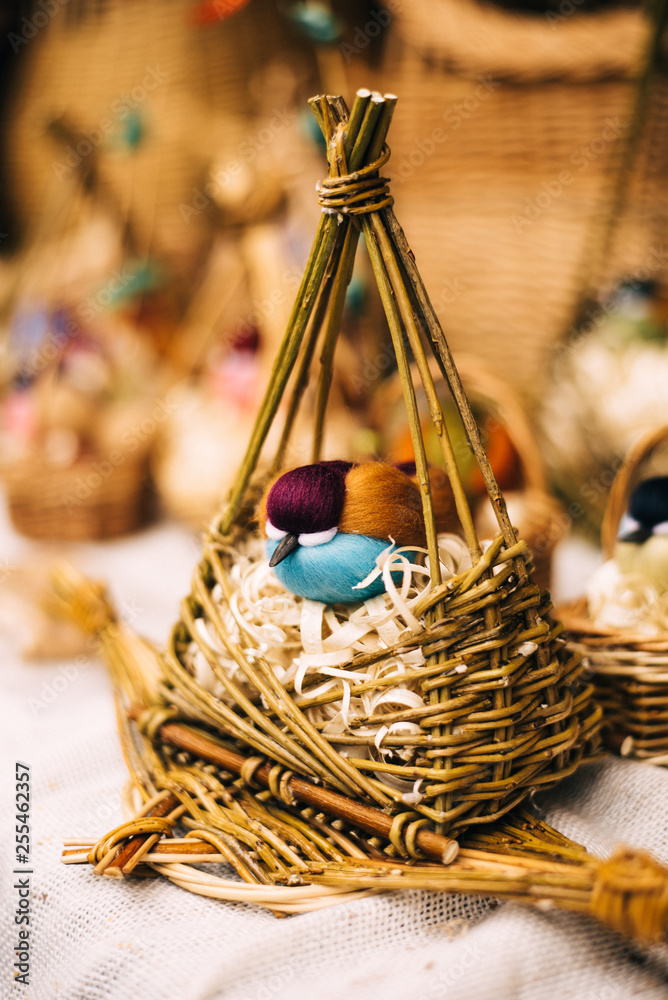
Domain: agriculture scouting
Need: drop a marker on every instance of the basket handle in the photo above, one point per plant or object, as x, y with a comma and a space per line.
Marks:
500, 396
621, 486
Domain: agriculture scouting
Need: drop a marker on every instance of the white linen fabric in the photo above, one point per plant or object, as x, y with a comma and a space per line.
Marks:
97, 939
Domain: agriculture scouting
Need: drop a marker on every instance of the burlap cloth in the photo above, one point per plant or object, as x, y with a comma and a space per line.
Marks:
94, 939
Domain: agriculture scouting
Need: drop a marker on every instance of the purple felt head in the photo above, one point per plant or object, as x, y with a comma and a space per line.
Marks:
407, 467
309, 498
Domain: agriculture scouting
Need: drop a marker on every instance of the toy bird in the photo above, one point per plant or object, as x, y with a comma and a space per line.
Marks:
326, 523
642, 545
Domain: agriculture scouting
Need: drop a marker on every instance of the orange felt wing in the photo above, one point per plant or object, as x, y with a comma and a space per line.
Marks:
382, 502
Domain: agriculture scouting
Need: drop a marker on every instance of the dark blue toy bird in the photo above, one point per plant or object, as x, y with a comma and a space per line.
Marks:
642, 545
326, 524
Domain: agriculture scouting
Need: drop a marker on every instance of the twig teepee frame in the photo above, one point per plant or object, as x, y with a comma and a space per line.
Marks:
355, 198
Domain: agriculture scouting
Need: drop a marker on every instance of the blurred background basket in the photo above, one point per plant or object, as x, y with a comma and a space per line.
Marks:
90, 500
512, 448
527, 152
145, 169
630, 666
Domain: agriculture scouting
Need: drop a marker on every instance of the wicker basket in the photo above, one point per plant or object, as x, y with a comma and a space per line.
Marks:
501, 710
508, 102
91, 500
630, 668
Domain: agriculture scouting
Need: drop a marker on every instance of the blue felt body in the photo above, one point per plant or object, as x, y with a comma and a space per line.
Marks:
330, 571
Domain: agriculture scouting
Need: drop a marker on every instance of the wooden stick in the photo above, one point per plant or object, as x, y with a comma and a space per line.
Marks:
449, 371
365, 817
304, 363
341, 282
180, 848
328, 233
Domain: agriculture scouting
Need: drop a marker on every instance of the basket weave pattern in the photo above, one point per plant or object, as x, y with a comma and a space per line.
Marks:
506, 172
60, 504
503, 707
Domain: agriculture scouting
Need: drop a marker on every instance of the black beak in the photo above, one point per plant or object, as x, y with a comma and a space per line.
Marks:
638, 536
283, 549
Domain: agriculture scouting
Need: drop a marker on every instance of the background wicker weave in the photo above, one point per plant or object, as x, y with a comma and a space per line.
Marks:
211, 95
495, 105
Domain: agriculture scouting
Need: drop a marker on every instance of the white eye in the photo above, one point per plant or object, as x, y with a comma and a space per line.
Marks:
274, 533
628, 524
317, 537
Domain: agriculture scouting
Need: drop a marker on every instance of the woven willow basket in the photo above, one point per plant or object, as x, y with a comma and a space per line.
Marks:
307, 815
630, 668
496, 106
79, 503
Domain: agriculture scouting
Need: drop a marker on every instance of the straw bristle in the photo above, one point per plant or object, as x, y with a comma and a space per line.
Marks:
75, 598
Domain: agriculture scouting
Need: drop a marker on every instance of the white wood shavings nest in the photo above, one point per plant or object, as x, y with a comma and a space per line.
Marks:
626, 600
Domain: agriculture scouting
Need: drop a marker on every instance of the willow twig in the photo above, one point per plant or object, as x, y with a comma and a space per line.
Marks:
285, 360
330, 277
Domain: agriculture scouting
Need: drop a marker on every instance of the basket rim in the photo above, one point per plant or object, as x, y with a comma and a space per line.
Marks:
620, 490
472, 38
574, 616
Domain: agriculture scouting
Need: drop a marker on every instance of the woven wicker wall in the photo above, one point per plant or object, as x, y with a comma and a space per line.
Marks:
506, 140
204, 98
